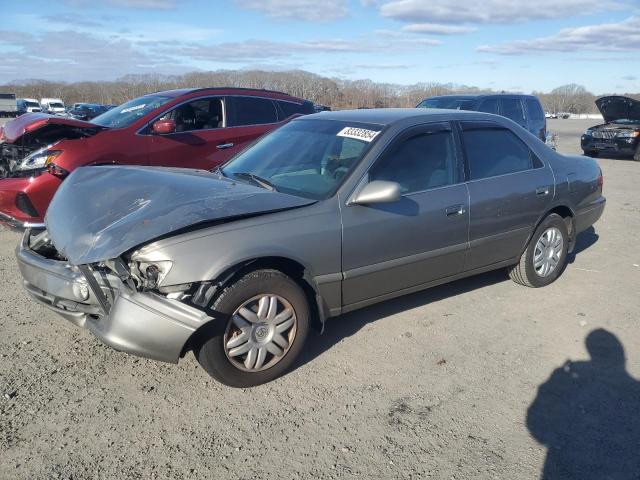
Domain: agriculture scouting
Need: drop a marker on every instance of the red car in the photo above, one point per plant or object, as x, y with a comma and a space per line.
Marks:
194, 128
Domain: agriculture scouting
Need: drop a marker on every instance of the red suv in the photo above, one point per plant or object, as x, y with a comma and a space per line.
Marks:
194, 128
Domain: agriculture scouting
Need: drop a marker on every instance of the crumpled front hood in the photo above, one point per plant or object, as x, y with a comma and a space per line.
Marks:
29, 125
98, 213
617, 108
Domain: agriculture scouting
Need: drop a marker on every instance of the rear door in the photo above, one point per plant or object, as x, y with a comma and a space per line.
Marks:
248, 118
509, 189
418, 239
198, 138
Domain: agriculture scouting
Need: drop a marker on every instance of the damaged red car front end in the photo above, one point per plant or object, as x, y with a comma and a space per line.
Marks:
29, 147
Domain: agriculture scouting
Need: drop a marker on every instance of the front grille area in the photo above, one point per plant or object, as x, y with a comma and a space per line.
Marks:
606, 134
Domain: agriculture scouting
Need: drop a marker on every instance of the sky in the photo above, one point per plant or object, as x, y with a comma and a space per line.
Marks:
513, 45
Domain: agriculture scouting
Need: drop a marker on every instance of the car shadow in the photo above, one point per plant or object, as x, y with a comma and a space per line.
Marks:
344, 326
585, 240
586, 415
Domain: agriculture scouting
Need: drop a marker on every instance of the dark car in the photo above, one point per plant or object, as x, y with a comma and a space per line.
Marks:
194, 128
620, 134
525, 110
327, 214
87, 111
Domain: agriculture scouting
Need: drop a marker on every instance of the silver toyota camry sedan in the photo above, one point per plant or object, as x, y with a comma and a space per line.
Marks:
330, 213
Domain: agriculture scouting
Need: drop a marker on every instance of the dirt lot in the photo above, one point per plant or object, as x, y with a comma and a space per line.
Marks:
432, 385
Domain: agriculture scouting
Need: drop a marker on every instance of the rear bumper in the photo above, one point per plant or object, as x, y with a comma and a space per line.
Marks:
141, 323
587, 217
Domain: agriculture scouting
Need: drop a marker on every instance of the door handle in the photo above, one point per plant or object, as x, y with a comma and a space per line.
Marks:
224, 146
542, 191
454, 210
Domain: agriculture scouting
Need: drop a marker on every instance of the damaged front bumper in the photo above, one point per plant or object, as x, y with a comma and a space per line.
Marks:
141, 323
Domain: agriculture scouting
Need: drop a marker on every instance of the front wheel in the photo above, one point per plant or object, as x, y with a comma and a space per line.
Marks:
591, 153
545, 256
262, 326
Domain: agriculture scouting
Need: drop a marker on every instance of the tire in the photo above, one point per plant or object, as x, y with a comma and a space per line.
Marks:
591, 153
234, 369
525, 273
636, 156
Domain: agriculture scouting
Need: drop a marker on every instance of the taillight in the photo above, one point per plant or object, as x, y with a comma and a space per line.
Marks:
57, 171
601, 181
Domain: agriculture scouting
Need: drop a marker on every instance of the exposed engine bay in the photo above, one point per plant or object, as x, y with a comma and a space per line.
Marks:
26, 156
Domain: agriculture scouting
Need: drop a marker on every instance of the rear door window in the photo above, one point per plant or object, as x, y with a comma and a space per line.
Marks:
286, 109
494, 150
512, 108
251, 111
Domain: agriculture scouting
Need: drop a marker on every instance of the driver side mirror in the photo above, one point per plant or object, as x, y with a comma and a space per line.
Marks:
164, 127
378, 191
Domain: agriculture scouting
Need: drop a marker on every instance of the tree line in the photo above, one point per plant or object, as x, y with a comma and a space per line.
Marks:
335, 93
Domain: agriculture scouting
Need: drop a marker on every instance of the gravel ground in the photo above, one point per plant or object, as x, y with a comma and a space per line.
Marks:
432, 385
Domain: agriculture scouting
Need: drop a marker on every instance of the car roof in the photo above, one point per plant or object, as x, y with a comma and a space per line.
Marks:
472, 96
389, 116
213, 90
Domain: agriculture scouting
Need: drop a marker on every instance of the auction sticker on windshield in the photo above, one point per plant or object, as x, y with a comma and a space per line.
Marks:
358, 133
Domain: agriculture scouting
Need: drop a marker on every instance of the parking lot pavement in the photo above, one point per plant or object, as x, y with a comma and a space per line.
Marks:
432, 385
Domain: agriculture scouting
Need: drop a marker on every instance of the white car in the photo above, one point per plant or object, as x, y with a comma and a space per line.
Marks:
550, 115
54, 106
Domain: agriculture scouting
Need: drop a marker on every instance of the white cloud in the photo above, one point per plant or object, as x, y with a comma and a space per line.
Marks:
491, 11
310, 10
437, 29
612, 37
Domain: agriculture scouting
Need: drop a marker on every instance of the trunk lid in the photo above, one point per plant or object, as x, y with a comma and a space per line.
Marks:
99, 213
617, 108
30, 125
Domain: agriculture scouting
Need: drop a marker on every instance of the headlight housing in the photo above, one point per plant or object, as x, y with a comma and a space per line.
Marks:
588, 132
629, 134
151, 273
38, 159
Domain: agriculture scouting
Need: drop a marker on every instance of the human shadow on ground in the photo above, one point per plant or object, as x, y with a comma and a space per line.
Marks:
586, 414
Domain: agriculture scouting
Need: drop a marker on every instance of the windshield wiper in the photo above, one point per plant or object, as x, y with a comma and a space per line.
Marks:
257, 180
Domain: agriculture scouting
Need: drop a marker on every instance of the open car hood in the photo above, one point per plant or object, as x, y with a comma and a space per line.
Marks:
617, 108
98, 213
27, 126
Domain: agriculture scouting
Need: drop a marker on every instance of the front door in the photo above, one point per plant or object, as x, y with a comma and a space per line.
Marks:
420, 238
200, 139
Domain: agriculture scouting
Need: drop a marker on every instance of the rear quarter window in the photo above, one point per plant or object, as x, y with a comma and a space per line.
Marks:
534, 110
512, 109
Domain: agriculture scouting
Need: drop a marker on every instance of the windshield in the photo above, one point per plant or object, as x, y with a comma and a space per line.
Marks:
32, 104
127, 113
453, 103
307, 158
56, 105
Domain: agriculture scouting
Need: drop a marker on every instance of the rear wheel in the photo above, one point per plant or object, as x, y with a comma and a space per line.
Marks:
545, 256
264, 321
